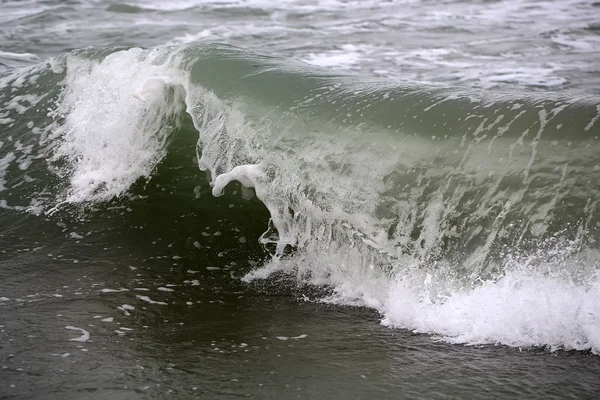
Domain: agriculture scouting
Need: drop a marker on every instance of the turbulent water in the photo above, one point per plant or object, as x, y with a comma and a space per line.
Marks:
438, 165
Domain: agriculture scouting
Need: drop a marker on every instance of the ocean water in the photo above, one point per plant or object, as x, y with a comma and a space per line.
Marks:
299, 199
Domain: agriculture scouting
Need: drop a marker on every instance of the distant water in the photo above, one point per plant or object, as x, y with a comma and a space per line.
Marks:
299, 199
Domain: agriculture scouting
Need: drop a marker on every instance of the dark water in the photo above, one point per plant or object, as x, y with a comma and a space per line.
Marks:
209, 221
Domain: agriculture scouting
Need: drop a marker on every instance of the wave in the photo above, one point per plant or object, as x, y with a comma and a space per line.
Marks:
468, 215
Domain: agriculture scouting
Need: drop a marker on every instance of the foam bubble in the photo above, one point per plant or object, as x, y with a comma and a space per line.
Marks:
85, 335
108, 290
149, 300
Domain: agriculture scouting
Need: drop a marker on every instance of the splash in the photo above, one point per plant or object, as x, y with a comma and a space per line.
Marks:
116, 117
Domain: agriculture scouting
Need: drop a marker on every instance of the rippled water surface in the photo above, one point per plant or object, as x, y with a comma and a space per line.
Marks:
507, 45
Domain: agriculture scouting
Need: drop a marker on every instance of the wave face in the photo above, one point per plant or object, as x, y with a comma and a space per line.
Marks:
468, 215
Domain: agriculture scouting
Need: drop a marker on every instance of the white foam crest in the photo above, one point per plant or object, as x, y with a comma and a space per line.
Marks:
522, 309
118, 116
85, 335
526, 307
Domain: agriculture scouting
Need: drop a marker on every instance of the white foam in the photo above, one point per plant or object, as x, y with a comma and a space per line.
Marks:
109, 138
24, 102
127, 313
19, 56
578, 44
344, 58
166, 6
149, 300
247, 175
85, 335
594, 119
284, 338
4, 164
108, 290
522, 309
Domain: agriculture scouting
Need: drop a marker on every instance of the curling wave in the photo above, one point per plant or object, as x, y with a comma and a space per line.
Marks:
468, 215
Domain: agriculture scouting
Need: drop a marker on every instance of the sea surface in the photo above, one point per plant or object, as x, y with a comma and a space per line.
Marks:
299, 199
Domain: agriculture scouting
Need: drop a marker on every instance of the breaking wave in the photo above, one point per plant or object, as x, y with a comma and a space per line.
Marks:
467, 215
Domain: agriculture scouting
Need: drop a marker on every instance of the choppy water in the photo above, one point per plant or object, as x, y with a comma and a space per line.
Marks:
339, 200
